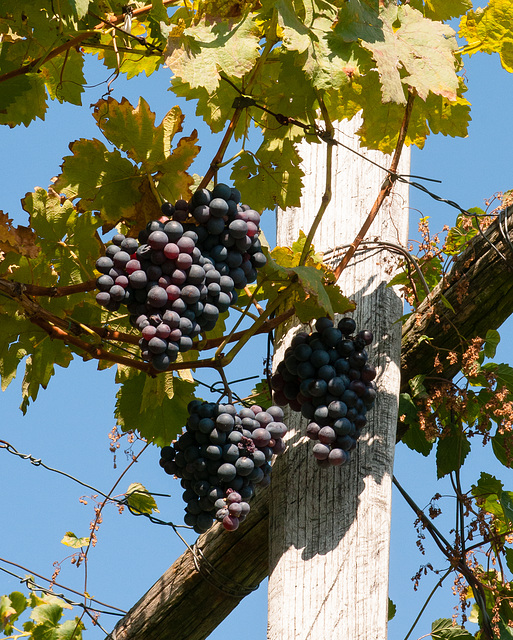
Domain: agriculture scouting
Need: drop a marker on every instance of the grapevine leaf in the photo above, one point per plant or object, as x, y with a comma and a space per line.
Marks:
270, 177
68, 630
103, 180
79, 7
47, 614
492, 340
414, 438
417, 386
509, 558
40, 365
12, 351
502, 445
451, 451
73, 541
202, 51
48, 217
215, 107
22, 100
487, 491
506, 500
133, 130
445, 629
19, 239
392, 609
64, 78
173, 180
11, 607
420, 47
139, 500
261, 395
7, 612
490, 30
161, 421
446, 9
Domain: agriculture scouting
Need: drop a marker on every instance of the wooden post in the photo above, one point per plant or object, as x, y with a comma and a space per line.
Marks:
330, 528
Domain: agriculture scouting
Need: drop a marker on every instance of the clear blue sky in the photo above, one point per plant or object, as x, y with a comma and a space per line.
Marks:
68, 425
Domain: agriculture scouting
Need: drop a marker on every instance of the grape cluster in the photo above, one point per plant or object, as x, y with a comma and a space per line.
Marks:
220, 457
325, 376
182, 271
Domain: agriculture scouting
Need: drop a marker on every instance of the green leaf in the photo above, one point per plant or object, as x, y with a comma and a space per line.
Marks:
487, 490
133, 130
47, 614
155, 407
270, 177
506, 500
139, 500
444, 629
199, 54
417, 386
392, 609
40, 365
446, 303
48, 216
502, 445
445, 9
64, 78
79, 7
71, 540
261, 394
414, 438
451, 451
509, 558
423, 50
492, 339
102, 180
22, 100
11, 607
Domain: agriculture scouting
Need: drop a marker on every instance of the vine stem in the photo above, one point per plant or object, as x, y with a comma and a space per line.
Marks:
237, 324
385, 189
326, 196
218, 158
61, 586
31, 66
437, 585
454, 558
100, 509
258, 324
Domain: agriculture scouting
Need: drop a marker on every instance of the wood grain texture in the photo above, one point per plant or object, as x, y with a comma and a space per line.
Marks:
479, 288
330, 528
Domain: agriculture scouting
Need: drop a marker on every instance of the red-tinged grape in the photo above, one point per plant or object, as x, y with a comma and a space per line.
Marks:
230, 523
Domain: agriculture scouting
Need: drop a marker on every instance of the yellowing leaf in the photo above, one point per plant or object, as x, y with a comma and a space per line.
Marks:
204, 50
73, 541
490, 30
138, 499
19, 239
133, 130
415, 52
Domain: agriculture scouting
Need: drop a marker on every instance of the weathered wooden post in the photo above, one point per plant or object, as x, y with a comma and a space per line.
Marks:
330, 528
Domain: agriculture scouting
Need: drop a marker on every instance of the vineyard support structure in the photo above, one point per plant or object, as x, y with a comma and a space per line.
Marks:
330, 528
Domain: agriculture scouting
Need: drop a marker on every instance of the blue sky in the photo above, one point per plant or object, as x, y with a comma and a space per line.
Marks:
68, 426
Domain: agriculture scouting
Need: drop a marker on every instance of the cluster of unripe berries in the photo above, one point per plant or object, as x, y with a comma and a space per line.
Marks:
183, 271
